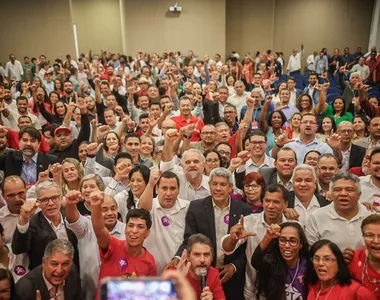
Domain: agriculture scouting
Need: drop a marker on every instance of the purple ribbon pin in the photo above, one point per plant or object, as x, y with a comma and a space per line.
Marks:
123, 263
20, 270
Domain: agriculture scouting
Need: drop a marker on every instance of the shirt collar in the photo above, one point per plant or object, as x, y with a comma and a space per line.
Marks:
119, 228
6, 212
313, 203
50, 287
265, 224
34, 158
298, 140
62, 222
288, 185
226, 208
334, 215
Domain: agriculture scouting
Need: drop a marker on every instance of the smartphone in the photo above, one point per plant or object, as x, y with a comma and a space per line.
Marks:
152, 288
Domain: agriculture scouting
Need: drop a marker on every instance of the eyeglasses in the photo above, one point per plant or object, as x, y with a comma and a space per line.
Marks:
54, 199
212, 161
346, 131
260, 143
309, 158
326, 259
251, 186
309, 122
208, 133
292, 241
371, 237
224, 153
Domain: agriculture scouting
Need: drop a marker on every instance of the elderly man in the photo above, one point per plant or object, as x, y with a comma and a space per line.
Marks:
239, 97
307, 141
168, 213
294, 63
340, 222
56, 278
213, 216
82, 228
302, 201
193, 184
34, 232
352, 155
251, 230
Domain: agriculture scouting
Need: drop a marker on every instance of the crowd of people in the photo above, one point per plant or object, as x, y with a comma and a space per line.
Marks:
239, 178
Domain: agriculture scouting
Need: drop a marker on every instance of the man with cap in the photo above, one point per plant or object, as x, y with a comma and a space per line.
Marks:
65, 145
143, 84
47, 80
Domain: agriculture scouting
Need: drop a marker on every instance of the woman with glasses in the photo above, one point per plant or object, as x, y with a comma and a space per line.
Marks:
311, 158
305, 105
365, 263
213, 160
254, 190
281, 260
329, 277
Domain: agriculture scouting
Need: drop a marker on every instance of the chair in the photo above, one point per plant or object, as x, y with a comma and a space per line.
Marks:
376, 94
283, 77
330, 98
299, 84
333, 90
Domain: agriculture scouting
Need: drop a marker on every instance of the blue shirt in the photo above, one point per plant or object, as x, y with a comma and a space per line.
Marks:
289, 111
300, 148
29, 170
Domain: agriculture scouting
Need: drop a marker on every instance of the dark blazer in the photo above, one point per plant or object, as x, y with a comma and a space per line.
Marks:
356, 156
27, 286
269, 175
11, 162
322, 201
200, 219
37, 237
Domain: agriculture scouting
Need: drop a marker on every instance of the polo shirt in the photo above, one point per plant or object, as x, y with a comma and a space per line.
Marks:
325, 223
369, 190
252, 223
117, 262
166, 233
300, 148
181, 122
89, 258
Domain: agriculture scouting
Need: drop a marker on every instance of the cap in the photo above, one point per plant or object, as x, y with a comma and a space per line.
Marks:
62, 128
143, 80
50, 71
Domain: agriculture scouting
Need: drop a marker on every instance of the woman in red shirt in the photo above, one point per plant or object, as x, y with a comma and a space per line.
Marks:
329, 277
365, 264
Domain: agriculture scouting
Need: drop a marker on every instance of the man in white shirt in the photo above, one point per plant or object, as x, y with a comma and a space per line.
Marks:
239, 97
259, 159
252, 229
340, 222
303, 201
294, 63
87, 243
22, 110
110, 117
13, 69
321, 63
371, 183
193, 184
218, 62
362, 69
310, 62
168, 216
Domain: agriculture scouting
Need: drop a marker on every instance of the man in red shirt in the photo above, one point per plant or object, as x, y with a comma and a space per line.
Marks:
185, 118
123, 258
199, 255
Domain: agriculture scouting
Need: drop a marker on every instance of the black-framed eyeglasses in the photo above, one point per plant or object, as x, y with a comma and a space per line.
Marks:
292, 241
45, 201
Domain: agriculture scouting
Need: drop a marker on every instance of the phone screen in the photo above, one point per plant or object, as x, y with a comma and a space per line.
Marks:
139, 288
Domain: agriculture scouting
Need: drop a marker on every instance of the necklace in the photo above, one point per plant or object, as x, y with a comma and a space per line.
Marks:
371, 281
328, 294
295, 274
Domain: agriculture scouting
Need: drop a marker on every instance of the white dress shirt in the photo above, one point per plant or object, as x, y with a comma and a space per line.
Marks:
88, 251
168, 227
310, 62
294, 63
252, 223
238, 101
325, 223
186, 190
14, 71
9, 221
305, 212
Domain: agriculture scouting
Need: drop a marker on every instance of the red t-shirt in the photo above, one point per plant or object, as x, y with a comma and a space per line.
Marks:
353, 291
356, 268
181, 122
13, 141
358, 171
212, 281
116, 262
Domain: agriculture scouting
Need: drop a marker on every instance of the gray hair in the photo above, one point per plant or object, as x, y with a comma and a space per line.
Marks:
219, 124
192, 151
222, 172
305, 167
47, 185
346, 176
98, 180
238, 82
259, 91
62, 246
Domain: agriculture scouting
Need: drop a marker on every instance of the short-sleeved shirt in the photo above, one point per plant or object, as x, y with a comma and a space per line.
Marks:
181, 122
116, 262
212, 281
330, 112
356, 268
